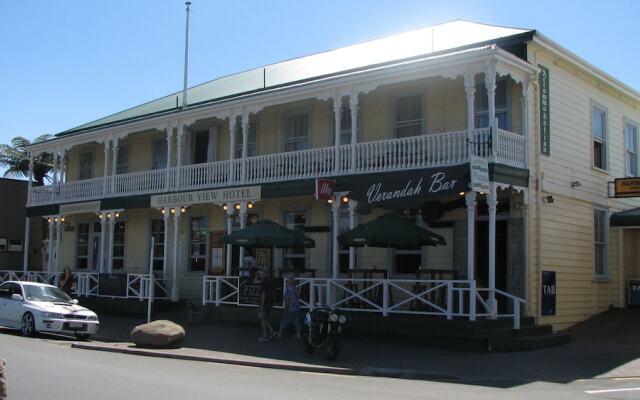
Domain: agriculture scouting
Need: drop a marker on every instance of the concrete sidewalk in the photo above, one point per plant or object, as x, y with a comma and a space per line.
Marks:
232, 344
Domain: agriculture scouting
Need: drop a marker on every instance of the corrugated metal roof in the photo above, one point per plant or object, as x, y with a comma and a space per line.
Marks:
425, 41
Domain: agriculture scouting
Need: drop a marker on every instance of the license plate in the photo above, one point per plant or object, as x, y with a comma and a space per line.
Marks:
76, 325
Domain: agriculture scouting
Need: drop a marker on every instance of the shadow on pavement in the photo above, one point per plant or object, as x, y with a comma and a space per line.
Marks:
605, 346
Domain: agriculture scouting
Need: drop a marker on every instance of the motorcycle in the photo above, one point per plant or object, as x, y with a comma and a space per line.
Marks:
324, 329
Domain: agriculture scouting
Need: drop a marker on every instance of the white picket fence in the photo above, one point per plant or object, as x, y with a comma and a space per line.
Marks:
446, 298
88, 283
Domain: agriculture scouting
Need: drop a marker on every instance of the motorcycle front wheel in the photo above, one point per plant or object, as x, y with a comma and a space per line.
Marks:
333, 348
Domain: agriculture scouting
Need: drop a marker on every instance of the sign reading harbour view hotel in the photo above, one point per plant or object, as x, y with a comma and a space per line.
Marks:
219, 196
627, 187
79, 208
397, 188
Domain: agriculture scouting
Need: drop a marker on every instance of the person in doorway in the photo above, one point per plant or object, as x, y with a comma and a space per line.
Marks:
66, 281
291, 302
267, 297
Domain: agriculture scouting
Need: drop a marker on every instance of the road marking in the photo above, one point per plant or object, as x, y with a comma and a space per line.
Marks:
611, 390
628, 378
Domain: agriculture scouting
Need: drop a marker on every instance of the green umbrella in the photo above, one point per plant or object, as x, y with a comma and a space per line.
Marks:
390, 231
267, 233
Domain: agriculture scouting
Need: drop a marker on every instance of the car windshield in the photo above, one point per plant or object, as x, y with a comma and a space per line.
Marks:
45, 293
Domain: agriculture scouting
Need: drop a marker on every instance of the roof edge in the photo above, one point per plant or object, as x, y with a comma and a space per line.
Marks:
561, 51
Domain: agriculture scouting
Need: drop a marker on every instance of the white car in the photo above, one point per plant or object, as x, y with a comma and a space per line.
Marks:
37, 307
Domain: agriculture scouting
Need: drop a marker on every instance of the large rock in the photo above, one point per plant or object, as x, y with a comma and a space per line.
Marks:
3, 380
158, 334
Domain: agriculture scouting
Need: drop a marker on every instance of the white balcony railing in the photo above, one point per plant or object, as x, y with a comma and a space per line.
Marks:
432, 150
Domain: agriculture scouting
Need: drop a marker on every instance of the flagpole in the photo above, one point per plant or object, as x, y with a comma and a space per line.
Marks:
186, 57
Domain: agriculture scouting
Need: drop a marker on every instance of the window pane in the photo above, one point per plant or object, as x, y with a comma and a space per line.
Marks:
86, 165
598, 124
198, 244
123, 160
598, 155
159, 154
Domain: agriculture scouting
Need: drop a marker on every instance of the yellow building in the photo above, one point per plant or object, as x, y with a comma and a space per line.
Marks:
397, 124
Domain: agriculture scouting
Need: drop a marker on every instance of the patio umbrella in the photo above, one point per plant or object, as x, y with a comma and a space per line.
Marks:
390, 231
267, 233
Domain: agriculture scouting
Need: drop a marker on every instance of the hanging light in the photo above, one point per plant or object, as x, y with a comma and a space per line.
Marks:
117, 214
183, 209
345, 199
225, 207
330, 200
108, 215
237, 206
62, 219
172, 211
162, 211
461, 193
100, 216
250, 205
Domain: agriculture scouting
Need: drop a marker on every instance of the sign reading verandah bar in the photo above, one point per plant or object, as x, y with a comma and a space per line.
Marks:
247, 193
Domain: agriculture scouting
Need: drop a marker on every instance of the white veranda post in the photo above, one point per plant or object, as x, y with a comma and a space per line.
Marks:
229, 231
165, 252
176, 232
492, 202
353, 205
243, 224
471, 237
337, 110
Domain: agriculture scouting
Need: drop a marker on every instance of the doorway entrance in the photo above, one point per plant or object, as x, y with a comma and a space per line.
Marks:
482, 256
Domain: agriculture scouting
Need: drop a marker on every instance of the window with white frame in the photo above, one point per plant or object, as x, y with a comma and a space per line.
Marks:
296, 133
118, 245
408, 116
599, 132
295, 257
157, 233
198, 244
600, 233
482, 105
251, 140
122, 166
159, 160
631, 148
345, 125
86, 166
88, 245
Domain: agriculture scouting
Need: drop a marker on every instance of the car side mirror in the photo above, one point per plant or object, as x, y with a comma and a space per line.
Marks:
74, 301
16, 297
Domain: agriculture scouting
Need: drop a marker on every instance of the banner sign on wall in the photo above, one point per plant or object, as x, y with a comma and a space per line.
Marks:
80, 208
393, 189
545, 111
627, 187
548, 293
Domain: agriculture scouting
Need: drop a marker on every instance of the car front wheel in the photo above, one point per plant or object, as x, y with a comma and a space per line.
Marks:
28, 326
83, 336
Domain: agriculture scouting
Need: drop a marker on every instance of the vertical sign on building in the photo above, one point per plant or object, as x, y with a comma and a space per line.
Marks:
548, 293
545, 114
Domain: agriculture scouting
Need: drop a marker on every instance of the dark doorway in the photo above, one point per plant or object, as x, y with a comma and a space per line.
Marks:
482, 256
201, 147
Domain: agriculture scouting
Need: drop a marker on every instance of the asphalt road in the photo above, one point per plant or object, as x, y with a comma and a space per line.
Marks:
47, 368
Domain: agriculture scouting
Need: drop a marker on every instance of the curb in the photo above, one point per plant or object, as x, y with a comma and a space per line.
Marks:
218, 360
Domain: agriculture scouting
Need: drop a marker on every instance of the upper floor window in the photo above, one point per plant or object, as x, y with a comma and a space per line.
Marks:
159, 160
600, 230
200, 147
482, 105
118, 245
251, 140
599, 132
122, 167
408, 116
296, 134
631, 148
86, 166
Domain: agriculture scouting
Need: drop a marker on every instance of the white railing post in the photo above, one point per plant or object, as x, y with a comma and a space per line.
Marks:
472, 300
217, 291
385, 297
449, 299
329, 300
312, 295
204, 290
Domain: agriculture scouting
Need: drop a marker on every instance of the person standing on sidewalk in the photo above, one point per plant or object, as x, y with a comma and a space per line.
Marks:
291, 301
267, 297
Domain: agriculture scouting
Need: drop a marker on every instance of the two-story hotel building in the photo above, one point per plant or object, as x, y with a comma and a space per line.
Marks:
378, 118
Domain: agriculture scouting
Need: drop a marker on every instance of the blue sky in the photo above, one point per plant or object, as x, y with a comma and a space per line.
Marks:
64, 63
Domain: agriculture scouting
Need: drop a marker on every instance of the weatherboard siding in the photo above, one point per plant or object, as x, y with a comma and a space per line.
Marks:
567, 223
